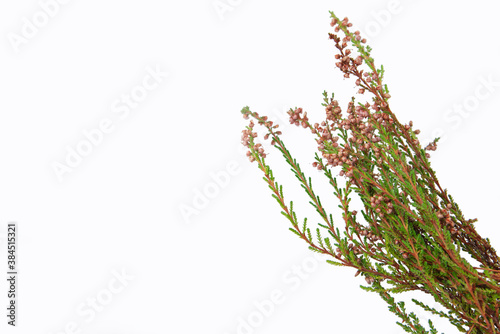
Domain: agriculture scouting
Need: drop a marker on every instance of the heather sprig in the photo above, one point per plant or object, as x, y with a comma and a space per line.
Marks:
410, 233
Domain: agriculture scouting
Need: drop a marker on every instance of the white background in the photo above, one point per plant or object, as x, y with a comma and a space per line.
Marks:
119, 209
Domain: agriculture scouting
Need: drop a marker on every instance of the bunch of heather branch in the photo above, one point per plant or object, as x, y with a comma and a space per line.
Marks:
410, 234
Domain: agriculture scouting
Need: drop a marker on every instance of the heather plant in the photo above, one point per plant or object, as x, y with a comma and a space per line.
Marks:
410, 235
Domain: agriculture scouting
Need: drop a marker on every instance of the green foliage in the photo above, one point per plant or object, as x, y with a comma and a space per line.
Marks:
410, 234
